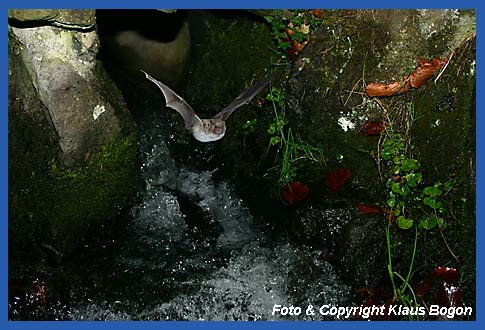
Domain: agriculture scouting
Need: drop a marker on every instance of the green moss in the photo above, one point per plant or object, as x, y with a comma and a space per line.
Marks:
231, 53
445, 141
50, 204
93, 193
31, 145
57, 206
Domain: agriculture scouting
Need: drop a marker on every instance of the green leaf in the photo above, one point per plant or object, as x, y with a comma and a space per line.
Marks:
386, 155
434, 204
274, 140
405, 190
413, 179
395, 187
428, 223
404, 223
397, 160
432, 191
284, 45
391, 202
249, 125
437, 205
410, 165
401, 190
447, 185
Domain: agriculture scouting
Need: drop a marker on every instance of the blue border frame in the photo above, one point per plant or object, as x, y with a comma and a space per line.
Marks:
238, 4
250, 4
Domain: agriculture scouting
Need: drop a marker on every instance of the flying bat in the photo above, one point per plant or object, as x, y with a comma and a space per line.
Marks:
213, 129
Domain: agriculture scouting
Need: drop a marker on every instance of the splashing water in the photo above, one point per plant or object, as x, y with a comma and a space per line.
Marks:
191, 251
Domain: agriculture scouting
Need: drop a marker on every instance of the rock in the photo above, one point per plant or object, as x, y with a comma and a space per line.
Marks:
362, 258
327, 78
154, 41
61, 64
72, 143
232, 53
68, 18
327, 103
352, 242
385, 41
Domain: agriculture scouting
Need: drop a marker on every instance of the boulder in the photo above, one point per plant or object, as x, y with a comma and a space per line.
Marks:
72, 141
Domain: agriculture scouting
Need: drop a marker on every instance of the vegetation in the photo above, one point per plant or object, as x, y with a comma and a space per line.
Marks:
410, 203
290, 147
291, 30
99, 190
424, 179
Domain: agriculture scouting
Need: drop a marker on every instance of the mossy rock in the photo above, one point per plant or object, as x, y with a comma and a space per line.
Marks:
56, 208
90, 195
53, 207
327, 82
444, 138
231, 53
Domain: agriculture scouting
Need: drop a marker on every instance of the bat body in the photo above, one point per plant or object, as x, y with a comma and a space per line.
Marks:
213, 129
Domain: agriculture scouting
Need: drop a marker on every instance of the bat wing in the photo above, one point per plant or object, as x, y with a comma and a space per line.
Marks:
174, 101
245, 97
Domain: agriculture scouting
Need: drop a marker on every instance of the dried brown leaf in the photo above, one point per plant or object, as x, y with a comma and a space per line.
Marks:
423, 72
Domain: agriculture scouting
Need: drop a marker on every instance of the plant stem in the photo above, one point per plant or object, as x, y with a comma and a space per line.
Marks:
447, 246
408, 277
389, 254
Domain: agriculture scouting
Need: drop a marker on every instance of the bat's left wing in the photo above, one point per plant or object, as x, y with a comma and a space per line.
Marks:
174, 101
245, 97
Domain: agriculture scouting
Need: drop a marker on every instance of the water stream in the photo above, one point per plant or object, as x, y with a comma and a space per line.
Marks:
192, 251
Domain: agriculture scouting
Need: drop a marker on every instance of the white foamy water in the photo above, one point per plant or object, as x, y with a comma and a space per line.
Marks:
240, 276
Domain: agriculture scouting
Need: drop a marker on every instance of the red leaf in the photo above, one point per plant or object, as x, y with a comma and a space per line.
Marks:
448, 295
443, 280
294, 192
370, 209
289, 32
422, 288
295, 48
318, 13
374, 209
336, 179
373, 128
448, 274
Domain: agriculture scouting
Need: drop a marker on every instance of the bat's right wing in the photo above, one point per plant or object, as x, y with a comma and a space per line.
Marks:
176, 102
245, 97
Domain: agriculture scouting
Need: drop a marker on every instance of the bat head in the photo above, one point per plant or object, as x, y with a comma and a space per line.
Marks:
209, 130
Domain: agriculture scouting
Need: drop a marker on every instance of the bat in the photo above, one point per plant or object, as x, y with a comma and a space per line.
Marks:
213, 129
